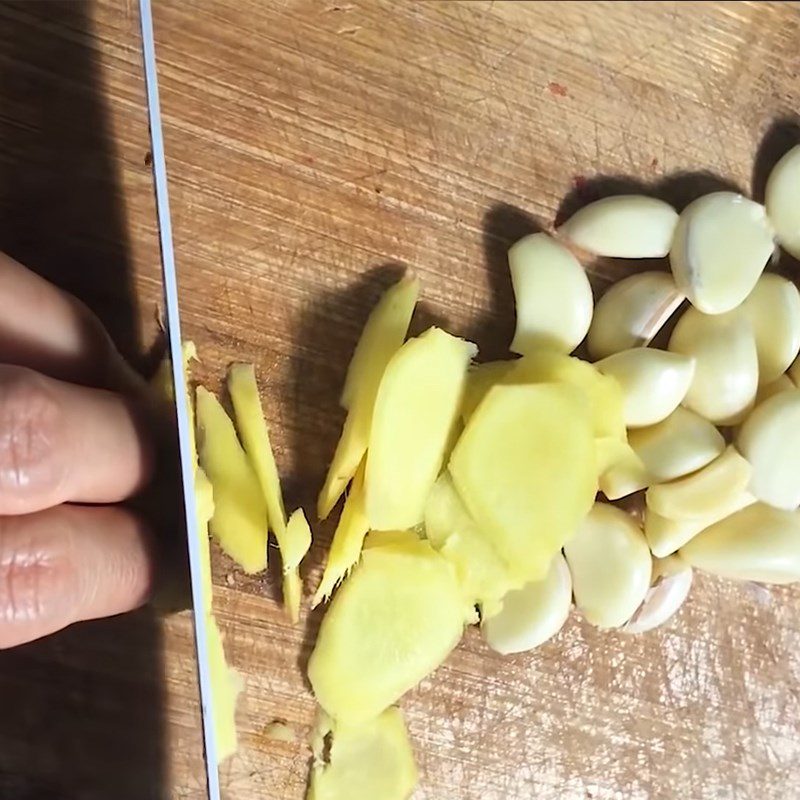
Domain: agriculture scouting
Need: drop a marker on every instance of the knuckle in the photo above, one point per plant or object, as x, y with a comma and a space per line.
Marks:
30, 430
36, 575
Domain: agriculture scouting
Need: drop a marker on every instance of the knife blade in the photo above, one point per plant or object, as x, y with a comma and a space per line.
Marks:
173, 327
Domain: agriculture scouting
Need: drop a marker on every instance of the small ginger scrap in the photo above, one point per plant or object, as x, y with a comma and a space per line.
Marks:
296, 543
347, 540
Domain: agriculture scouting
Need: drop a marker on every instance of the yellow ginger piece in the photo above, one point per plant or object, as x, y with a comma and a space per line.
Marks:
416, 408
392, 622
295, 540
240, 514
296, 543
603, 393
370, 761
382, 336
525, 468
347, 540
482, 574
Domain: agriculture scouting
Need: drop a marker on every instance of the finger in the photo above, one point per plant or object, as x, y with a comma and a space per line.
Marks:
68, 564
65, 443
48, 330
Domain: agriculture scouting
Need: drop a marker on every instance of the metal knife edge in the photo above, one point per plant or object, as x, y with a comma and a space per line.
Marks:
179, 378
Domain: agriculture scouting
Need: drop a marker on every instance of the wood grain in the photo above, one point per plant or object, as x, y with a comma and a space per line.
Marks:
315, 149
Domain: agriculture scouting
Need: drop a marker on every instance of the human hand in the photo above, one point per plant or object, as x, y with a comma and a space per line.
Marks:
70, 435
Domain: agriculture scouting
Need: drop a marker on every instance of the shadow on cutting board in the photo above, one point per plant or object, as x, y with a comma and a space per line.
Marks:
80, 711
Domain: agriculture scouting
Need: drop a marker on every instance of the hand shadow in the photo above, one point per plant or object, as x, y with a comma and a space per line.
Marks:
81, 711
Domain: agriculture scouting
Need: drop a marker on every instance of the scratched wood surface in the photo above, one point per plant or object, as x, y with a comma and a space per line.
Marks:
316, 148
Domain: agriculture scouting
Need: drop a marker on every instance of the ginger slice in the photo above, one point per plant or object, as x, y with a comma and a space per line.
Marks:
254, 433
525, 468
482, 574
370, 761
416, 408
240, 515
226, 686
381, 338
391, 623
603, 392
293, 541
347, 540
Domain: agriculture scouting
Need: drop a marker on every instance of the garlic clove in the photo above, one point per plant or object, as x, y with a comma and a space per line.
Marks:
653, 382
533, 614
632, 312
770, 440
623, 226
671, 582
767, 390
553, 296
722, 244
783, 201
679, 445
773, 310
794, 372
703, 493
726, 363
759, 543
610, 565
666, 536
623, 474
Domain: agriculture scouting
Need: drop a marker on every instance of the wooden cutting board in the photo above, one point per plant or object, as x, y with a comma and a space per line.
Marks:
315, 149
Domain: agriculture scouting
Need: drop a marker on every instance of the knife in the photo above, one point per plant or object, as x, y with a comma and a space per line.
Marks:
172, 321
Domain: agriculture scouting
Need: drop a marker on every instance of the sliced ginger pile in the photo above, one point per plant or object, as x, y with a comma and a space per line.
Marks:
474, 488
485, 492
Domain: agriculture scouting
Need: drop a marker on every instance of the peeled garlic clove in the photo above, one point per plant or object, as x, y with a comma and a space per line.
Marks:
623, 474
623, 226
672, 580
704, 492
773, 310
553, 296
767, 390
665, 536
610, 565
770, 440
533, 614
722, 244
794, 372
783, 201
759, 543
653, 382
682, 443
632, 312
726, 363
